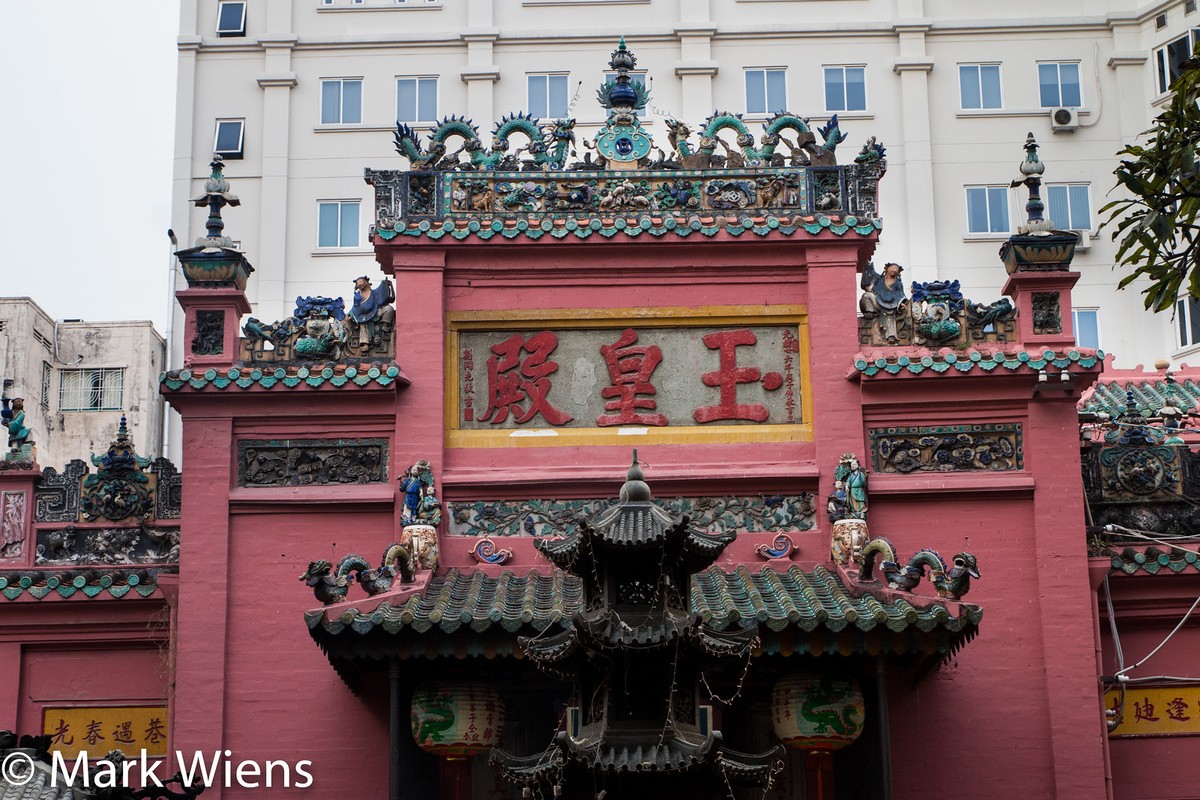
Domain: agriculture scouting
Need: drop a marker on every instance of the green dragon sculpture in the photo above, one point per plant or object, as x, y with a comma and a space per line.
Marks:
549, 149
803, 150
332, 588
951, 583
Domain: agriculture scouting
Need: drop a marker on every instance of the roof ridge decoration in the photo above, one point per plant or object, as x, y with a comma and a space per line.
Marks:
786, 181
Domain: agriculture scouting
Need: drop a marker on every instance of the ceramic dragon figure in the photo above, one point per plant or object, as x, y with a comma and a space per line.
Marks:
549, 149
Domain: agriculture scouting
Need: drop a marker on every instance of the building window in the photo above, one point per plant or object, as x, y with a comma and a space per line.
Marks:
1187, 321
416, 99
1059, 84
90, 389
230, 135
1167, 59
979, 85
341, 101
337, 223
766, 91
547, 96
845, 89
231, 18
47, 372
1086, 322
1069, 205
987, 209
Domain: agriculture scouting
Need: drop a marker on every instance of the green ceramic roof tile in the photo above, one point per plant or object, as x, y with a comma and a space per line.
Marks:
1153, 561
678, 225
115, 583
919, 360
798, 599
290, 376
1150, 395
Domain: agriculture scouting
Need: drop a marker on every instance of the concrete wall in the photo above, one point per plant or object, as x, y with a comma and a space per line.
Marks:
28, 341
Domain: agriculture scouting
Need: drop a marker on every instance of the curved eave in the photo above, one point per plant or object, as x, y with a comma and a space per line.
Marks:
901, 362
294, 377
566, 228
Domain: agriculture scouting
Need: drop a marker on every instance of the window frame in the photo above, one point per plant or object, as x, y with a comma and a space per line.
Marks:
1075, 312
437, 88
230, 155
1067, 185
231, 32
566, 76
978, 66
341, 203
98, 378
1078, 80
1185, 319
825, 68
1162, 80
767, 110
341, 101
988, 195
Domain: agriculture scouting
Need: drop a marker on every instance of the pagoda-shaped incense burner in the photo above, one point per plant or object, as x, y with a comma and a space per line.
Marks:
637, 654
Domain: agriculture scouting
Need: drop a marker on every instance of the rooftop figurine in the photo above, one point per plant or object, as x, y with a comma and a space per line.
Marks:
14, 421
884, 298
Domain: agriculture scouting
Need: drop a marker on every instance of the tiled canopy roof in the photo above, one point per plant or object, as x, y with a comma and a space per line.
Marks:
894, 361
798, 611
115, 583
1150, 395
1154, 560
284, 376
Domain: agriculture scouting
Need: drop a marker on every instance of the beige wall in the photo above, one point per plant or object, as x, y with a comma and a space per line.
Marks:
696, 51
27, 341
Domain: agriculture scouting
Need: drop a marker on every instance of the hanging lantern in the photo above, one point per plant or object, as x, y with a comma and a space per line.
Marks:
454, 720
817, 714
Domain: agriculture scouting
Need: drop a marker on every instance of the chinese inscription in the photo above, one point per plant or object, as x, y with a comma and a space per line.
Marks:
642, 377
1156, 711
98, 730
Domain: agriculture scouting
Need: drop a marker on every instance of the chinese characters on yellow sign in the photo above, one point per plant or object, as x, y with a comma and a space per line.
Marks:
1157, 711
651, 377
99, 730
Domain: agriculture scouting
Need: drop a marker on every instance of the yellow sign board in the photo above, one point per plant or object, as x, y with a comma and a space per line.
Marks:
1156, 710
101, 729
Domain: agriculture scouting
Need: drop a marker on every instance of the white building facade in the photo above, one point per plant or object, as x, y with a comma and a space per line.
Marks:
300, 96
77, 378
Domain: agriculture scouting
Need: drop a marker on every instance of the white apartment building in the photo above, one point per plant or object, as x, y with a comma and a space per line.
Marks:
301, 95
77, 378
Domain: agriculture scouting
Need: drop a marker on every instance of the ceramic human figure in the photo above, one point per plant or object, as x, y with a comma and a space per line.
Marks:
371, 309
884, 297
854, 479
18, 434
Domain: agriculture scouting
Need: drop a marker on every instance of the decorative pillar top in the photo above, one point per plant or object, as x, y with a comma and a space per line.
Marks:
1036, 246
216, 196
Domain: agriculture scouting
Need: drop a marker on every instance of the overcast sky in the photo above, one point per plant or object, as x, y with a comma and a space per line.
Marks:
89, 114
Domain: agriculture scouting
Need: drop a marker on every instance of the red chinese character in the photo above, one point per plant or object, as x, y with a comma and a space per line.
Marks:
123, 733
730, 375
60, 735
509, 388
1175, 710
154, 733
1144, 711
93, 734
629, 369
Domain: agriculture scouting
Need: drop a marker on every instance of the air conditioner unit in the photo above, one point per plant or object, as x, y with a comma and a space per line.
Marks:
1064, 119
1085, 240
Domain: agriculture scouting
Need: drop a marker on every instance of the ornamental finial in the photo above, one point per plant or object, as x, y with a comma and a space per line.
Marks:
635, 490
1032, 168
216, 196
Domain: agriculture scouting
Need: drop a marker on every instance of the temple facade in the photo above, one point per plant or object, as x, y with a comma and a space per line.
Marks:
620, 475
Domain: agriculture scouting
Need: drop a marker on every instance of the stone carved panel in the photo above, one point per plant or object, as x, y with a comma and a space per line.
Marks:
168, 499
71, 546
302, 462
13, 508
1047, 314
57, 496
947, 448
757, 513
209, 339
